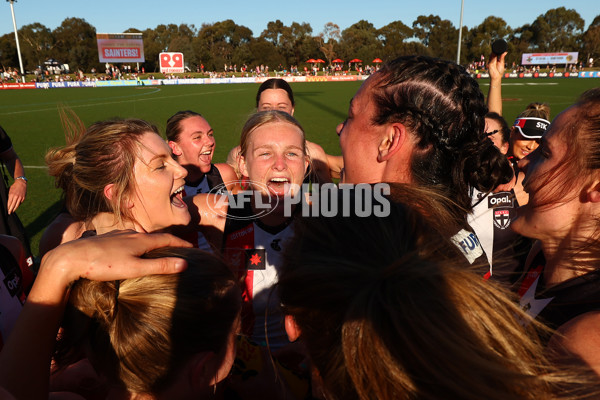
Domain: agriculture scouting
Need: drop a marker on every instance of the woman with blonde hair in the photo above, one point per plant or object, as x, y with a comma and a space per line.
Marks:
118, 174
251, 228
155, 322
277, 94
140, 334
398, 316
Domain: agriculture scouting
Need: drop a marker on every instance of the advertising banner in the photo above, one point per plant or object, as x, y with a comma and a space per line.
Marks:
549, 58
171, 63
28, 85
120, 47
120, 82
589, 74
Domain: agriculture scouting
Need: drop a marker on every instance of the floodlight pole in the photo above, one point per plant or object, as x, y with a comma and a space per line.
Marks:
462, 6
12, 10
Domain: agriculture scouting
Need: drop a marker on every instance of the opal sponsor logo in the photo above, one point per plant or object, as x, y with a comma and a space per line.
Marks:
13, 283
504, 200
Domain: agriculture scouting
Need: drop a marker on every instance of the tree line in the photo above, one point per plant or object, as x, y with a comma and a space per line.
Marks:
227, 43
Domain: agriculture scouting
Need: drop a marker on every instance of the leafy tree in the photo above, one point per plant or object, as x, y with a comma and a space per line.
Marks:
225, 42
393, 37
479, 39
182, 42
360, 41
440, 36
521, 41
219, 42
444, 41
303, 42
36, 43
273, 32
8, 51
591, 42
152, 48
264, 52
424, 26
75, 44
558, 30
328, 39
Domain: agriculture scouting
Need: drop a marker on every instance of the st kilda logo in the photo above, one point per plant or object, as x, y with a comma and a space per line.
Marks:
501, 219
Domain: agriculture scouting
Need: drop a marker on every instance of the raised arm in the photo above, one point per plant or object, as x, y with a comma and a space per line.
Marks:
496, 71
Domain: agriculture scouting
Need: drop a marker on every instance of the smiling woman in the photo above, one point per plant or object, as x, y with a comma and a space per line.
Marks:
192, 141
139, 186
274, 158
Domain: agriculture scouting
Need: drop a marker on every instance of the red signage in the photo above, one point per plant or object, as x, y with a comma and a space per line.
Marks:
120, 47
171, 63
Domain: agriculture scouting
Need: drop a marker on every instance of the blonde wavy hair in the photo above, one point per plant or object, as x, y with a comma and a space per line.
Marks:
103, 154
139, 332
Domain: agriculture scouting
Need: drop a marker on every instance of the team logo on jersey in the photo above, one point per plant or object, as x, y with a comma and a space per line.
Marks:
500, 200
275, 244
501, 219
255, 259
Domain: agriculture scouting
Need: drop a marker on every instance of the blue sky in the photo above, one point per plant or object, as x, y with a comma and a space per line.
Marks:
117, 16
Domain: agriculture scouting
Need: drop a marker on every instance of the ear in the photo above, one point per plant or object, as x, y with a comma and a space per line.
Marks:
292, 113
109, 191
593, 191
292, 330
175, 148
242, 165
392, 142
200, 371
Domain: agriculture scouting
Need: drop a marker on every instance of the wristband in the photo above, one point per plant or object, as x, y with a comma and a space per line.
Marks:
22, 178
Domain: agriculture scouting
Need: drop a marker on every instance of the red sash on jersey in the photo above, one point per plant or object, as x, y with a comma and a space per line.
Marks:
240, 254
529, 279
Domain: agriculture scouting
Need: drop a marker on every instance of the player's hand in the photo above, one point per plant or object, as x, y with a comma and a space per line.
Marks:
16, 195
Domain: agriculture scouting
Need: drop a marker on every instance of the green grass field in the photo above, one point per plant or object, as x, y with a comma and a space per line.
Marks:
32, 120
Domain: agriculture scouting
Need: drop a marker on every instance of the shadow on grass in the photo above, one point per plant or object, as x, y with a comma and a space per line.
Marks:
309, 97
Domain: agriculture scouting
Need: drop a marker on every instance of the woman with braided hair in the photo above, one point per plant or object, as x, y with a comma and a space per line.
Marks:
421, 121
